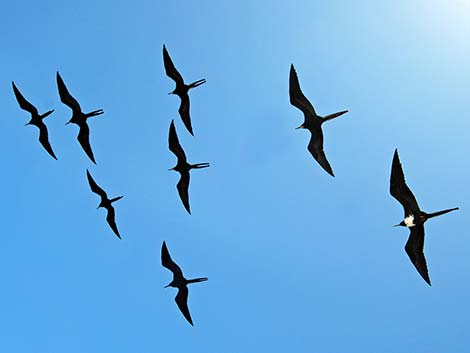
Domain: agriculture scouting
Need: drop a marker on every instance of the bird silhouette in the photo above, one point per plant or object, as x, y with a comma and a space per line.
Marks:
36, 119
105, 203
179, 282
78, 117
182, 166
312, 121
181, 89
414, 218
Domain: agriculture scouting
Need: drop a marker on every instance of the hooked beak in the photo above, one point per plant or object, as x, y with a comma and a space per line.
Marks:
166, 286
68, 123
27, 124
171, 169
170, 92
397, 225
300, 127
98, 207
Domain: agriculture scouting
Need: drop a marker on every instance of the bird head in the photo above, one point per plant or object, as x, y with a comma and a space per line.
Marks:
401, 224
300, 127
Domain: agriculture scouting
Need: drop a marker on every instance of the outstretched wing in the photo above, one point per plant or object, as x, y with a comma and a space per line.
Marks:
315, 146
168, 262
399, 190
174, 144
183, 190
94, 187
111, 219
182, 300
415, 249
65, 96
184, 112
297, 98
170, 68
23, 103
84, 139
44, 139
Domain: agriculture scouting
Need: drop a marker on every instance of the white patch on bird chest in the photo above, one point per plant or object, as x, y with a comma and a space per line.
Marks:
409, 221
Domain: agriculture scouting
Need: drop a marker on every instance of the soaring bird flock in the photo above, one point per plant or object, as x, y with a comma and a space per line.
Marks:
414, 217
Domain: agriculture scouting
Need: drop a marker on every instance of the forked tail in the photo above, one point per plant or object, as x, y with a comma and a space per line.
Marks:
439, 213
199, 165
196, 83
94, 113
195, 280
46, 114
334, 115
116, 199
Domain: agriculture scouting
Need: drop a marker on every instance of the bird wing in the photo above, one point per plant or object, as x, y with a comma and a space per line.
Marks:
24, 104
297, 98
44, 139
84, 139
184, 112
181, 300
169, 263
183, 186
399, 190
111, 219
174, 144
170, 68
65, 96
415, 249
94, 187
315, 146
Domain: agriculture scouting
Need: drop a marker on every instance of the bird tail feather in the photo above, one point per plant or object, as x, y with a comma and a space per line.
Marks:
334, 115
195, 280
197, 83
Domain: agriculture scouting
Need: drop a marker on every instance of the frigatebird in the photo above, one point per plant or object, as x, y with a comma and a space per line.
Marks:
414, 218
78, 117
105, 203
312, 121
182, 166
181, 89
36, 119
179, 282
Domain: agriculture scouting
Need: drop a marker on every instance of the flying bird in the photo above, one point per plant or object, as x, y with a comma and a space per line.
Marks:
181, 89
105, 203
179, 282
36, 119
78, 117
312, 121
182, 166
414, 218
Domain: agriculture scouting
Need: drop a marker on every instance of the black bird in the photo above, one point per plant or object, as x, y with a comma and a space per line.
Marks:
182, 166
179, 282
105, 202
36, 119
414, 217
181, 89
78, 117
312, 121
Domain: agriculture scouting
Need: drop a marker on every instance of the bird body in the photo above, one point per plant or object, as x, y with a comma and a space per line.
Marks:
106, 203
78, 117
182, 166
414, 218
180, 282
36, 119
181, 89
312, 121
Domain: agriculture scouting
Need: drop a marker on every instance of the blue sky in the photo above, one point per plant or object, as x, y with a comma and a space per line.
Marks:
297, 260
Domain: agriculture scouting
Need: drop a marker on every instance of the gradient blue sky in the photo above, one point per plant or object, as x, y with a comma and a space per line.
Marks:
297, 261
